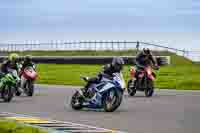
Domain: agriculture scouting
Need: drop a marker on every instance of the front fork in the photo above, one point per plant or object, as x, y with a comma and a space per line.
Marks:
22, 82
146, 82
132, 83
141, 82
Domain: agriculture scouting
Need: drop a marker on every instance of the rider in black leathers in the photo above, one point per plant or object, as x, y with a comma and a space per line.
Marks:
107, 72
143, 59
27, 62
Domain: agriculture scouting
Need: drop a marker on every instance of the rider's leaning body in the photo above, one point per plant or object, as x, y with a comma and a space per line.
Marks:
8, 65
145, 58
27, 62
11, 63
107, 72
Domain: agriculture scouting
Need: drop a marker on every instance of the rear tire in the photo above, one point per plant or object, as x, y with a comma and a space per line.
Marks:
150, 90
118, 99
76, 98
7, 93
131, 90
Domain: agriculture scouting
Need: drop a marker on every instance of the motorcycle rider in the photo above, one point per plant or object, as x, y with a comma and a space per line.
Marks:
143, 59
27, 62
107, 72
10, 64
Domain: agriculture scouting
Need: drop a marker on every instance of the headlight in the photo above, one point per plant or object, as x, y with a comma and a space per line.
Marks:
149, 72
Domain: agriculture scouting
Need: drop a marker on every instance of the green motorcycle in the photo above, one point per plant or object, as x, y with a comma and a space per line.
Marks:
8, 83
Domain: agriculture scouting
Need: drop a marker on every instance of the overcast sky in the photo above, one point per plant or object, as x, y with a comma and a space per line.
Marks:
171, 22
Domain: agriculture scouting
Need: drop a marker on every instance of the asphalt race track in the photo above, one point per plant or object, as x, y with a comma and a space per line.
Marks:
168, 111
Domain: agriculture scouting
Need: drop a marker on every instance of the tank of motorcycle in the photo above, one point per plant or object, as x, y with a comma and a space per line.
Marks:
120, 79
14, 74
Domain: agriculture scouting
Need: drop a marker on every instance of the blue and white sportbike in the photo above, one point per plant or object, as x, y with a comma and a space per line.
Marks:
107, 95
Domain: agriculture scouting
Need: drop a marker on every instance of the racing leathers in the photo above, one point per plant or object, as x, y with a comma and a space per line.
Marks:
143, 60
107, 72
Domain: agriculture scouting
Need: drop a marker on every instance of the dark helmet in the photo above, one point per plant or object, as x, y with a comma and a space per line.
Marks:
118, 63
28, 58
146, 51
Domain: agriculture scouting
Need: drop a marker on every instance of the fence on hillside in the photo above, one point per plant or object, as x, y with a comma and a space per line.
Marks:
95, 45
194, 55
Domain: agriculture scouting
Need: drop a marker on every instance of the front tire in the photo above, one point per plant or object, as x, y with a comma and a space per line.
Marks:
7, 93
117, 96
76, 102
29, 88
150, 90
18, 93
131, 90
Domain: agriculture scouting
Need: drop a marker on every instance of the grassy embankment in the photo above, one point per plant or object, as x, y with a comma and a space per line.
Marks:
13, 127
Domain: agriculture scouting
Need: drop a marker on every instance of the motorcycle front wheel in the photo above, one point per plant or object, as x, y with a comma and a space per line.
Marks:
131, 88
112, 100
7, 93
76, 103
29, 88
18, 93
149, 91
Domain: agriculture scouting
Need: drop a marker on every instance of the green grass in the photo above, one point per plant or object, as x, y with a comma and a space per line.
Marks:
13, 127
168, 77
179, 77
175, 59
180, 60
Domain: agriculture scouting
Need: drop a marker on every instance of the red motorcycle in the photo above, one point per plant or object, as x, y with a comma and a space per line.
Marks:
28, 76
142, 81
